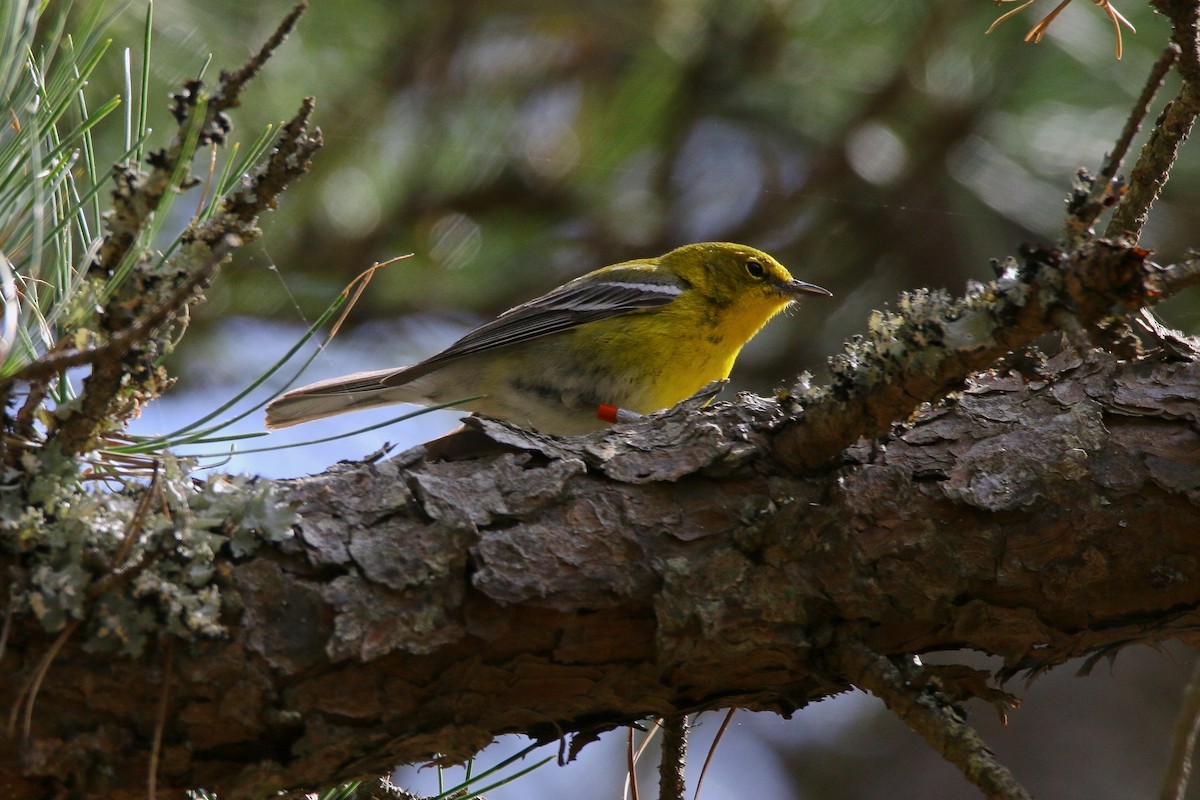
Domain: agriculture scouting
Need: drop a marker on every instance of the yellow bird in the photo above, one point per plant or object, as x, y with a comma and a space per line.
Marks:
634, 337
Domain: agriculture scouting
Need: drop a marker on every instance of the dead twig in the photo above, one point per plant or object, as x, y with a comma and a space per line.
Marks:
1153, 166
160, 722
135, 524
631, 766
712, 750
933, 717
1104, 190
27, 696
232, 82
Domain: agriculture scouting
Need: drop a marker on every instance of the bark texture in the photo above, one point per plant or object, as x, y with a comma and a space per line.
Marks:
499, 581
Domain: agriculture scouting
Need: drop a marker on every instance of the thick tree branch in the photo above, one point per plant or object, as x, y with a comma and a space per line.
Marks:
569, 586
931, 343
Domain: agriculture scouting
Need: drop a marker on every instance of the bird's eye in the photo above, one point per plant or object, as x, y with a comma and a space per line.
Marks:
755, 269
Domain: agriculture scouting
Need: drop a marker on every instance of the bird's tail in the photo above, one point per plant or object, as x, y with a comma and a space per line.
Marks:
335, 396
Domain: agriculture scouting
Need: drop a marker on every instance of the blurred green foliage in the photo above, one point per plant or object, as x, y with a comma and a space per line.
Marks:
512, 144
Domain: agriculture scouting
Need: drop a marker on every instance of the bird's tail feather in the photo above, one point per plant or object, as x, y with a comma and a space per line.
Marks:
335, 396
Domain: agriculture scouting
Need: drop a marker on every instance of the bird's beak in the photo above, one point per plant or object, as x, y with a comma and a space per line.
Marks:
800, 288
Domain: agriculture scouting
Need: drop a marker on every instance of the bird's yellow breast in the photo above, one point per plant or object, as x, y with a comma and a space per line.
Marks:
677, 348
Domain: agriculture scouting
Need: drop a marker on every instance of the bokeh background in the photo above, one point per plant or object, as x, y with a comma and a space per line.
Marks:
510, 145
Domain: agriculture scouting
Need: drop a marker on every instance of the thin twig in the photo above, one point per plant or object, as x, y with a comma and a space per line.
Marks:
1183, 740
23, 425
933, 717
1102, 193
1158, 155
671, 781
136, 522
232, 82
160, 722
712, 750
8, 618
27, 696
631, 766
1141, 108
55, 362
631, 779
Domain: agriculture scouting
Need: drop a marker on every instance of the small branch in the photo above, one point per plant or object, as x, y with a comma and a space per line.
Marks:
1160, 151
1154, 164
234, 225
215, 125
126, 373
56, 361
671, 781
934, 719
23, 425
1183, 740
112, 363
1174, 278
1102, 193
290, 159
228, 95
712, 750
1185, 33
1140, 109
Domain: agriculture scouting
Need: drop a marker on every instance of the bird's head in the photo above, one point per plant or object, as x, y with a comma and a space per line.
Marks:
734, 275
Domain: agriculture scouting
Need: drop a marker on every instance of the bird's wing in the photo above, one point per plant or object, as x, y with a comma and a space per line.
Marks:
620, 290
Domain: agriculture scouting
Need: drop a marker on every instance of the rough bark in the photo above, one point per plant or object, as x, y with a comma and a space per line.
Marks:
502, 582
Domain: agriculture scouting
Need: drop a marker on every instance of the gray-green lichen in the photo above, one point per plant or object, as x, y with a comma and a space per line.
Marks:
914, 341
129, 566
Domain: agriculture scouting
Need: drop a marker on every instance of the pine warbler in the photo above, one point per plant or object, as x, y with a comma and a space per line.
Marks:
621, 341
